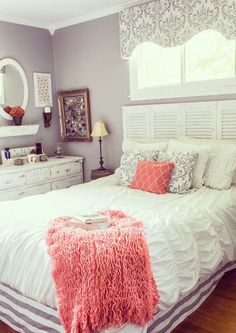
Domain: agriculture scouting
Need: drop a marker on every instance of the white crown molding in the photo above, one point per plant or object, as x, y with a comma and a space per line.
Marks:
52, 27
18, 20
93, 15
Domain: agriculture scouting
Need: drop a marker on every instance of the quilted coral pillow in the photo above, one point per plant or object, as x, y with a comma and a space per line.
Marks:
182, 174
129, 163
152, 176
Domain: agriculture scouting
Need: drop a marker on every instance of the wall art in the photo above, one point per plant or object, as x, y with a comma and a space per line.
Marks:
74, 111
43, 89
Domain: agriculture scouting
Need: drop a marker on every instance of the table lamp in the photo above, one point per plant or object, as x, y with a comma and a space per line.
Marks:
99, 130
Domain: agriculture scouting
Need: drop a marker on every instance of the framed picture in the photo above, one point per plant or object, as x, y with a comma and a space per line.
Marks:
74, 112
43, 89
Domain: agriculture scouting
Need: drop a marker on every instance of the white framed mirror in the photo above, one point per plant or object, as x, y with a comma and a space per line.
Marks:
13, 86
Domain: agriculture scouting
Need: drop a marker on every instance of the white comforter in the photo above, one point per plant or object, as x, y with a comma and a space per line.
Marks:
188, 235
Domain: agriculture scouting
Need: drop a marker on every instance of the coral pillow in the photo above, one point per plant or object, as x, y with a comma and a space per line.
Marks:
152, 176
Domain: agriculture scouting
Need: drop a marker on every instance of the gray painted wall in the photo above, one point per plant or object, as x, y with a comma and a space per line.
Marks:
32, 48
88, 55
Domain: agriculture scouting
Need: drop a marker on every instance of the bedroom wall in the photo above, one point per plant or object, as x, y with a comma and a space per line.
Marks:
32, 48
88, 55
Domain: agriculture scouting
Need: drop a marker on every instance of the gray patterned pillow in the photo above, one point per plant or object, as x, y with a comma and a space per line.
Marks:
182, 174
129, 163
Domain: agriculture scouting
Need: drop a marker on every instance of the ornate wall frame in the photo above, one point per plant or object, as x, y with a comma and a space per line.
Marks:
74, 112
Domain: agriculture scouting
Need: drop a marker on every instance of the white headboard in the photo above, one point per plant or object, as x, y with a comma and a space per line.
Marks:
204, 120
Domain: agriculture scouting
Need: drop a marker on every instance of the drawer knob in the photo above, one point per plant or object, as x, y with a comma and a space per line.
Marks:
67, 170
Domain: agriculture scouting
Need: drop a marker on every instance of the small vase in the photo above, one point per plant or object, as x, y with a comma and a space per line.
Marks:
7, 153
17, 120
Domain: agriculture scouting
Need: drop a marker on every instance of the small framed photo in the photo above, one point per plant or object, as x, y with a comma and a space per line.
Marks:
74, 112
43, 89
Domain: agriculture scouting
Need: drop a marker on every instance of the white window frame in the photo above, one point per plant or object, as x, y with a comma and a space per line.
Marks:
189, 89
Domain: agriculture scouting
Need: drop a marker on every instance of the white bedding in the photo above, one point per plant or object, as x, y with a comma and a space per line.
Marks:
188, 235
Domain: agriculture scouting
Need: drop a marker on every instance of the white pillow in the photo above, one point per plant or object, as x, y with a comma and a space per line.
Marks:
217, 147
220, 171
203, 154
129, 146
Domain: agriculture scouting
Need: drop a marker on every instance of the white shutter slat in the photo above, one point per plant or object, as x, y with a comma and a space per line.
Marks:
200, 120
136, 122
165, 121
227, 119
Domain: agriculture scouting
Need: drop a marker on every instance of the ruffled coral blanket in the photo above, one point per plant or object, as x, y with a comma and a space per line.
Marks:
102, 277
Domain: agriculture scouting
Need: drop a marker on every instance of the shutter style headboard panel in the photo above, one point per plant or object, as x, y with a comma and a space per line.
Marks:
136, 122
227, 119
203, 120
164, 120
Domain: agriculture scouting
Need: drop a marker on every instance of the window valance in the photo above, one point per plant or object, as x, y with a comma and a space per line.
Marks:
173, 22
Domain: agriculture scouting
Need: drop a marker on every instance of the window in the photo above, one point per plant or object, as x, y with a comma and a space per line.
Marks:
2, 97
205, 65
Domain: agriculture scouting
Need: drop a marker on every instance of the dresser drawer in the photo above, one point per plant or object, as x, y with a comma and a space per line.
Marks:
40, 189
12, 180
65, 170
38, 175
13, 194
65, 183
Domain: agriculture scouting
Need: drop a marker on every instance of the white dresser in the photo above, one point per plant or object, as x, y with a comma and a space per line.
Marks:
41, 177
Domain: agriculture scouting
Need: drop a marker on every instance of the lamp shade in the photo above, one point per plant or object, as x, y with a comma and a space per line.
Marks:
99, 129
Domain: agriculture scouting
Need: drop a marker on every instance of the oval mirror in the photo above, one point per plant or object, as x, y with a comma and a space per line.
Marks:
13, 86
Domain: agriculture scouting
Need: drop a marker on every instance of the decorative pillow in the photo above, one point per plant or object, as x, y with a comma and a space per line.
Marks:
129, 146
203, 154
129, 163
217, 147
152, 176
182, 174
220, 171
229, 151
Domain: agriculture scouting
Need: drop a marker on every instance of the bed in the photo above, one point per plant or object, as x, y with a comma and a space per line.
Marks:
191, 237
191, 240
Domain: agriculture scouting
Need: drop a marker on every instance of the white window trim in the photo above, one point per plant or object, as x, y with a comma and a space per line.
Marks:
189, 89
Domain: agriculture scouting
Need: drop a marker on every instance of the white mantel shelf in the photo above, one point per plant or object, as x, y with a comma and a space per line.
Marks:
7, 131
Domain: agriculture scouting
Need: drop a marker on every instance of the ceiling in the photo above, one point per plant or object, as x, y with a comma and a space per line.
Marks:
56, 14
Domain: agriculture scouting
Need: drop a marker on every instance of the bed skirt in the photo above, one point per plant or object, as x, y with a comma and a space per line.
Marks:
29, 316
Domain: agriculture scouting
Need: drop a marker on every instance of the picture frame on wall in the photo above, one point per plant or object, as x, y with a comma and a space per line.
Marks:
43, 89
74, 113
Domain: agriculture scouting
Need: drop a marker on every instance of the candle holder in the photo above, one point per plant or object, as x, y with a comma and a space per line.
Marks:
47, 117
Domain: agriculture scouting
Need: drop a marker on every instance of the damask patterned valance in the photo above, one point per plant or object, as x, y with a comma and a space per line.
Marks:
173, 22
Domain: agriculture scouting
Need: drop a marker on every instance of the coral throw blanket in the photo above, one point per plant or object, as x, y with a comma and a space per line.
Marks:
102, 277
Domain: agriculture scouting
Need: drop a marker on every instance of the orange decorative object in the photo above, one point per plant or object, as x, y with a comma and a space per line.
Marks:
7, 109
17, 111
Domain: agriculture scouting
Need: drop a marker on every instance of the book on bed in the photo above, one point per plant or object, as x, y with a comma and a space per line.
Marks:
91, 218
